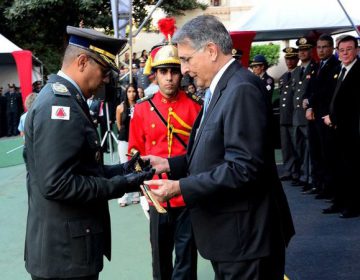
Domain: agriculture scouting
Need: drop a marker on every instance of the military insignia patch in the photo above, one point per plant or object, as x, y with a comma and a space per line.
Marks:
60, 113
60, 89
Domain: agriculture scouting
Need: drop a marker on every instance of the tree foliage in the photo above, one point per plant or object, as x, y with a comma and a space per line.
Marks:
270, 51
40, 25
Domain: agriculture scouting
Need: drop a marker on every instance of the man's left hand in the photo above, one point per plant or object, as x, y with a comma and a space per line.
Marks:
166, 189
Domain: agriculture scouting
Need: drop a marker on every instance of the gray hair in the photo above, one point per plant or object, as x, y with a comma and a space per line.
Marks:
203, 29
72, 52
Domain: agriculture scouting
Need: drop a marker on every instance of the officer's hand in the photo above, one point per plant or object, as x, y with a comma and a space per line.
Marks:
129, 166
134, 180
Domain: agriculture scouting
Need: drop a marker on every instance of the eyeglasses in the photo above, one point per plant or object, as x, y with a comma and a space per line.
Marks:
105, 70
186, 60
346, 50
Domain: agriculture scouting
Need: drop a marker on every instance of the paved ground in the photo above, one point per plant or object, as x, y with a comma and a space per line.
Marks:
325, 247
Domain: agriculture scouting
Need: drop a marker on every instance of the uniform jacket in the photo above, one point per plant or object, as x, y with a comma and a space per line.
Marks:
237, 206
300, 88
149, 135
68, 225
286, 98
269, 84
323, 86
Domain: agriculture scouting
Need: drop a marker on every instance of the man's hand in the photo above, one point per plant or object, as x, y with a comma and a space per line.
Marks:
327, 120
160, 164
309, 114
166, 189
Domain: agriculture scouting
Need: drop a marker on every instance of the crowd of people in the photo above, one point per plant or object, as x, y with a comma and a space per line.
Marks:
319, 121
197, 128
12, 108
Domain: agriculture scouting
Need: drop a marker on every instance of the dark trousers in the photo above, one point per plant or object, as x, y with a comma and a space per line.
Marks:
12, 123
171, 231
93, 277
266, 268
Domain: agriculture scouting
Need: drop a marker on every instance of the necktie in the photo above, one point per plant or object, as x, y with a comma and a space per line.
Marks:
301, 72
206, 104
321, 64
341, 77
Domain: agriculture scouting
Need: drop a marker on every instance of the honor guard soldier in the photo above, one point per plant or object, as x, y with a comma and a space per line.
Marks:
68, 223
286, 116
303, 75
259, 66
161, 126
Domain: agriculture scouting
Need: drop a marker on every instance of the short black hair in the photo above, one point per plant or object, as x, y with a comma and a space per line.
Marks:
327, 38
347, 39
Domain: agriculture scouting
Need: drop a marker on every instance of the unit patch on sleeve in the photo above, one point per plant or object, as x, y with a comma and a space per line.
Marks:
60, 113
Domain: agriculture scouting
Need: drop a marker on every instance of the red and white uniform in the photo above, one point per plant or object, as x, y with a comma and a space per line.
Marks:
150, 136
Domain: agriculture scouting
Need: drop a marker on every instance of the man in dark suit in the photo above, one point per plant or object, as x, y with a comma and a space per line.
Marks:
344, 117
229, 181
321, 137
68, 223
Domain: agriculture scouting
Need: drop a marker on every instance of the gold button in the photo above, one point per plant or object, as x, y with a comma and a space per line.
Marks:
297, 106
87, 230
152, 109
170, 109
283, 105
300, 82
297, 98
152, 125
153, 142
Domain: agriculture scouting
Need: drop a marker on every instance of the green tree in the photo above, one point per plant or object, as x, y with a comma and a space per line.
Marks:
40, 25
270, 51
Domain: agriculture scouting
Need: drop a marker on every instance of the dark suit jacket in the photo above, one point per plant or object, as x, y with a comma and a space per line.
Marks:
237, 205
345, 114
68, 223
323, 86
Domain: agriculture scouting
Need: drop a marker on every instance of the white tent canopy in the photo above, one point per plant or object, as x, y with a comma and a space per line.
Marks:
8, 69
288, 19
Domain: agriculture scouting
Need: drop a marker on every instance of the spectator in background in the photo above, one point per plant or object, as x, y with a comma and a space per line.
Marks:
3, 122
237, 54
28, 103
135, 60
126, 60
94, 108
141, 92
142, 79
14, 109
124, 112
37, 86
153, 87
144, 55
259, 65
286, 107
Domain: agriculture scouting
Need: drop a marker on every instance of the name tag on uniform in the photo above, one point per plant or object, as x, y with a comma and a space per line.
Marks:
60, 113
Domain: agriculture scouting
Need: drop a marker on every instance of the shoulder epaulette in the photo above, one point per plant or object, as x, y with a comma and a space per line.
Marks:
150, 96
60, 89
195, 98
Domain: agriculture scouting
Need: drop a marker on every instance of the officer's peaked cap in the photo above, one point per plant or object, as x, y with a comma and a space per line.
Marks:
291, 52
304, 43
105, 47
258, 60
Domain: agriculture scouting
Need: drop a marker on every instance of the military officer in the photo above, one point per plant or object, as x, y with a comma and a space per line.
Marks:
259, 65
161, 126
68, 224
303, 75
289, 156
237, 54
